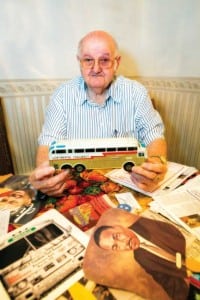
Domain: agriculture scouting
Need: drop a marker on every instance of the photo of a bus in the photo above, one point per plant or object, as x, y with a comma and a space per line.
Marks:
101, 153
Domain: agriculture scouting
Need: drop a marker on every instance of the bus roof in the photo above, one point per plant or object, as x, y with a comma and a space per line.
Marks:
94, 143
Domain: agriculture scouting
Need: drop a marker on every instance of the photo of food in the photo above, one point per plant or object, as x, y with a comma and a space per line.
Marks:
87, 195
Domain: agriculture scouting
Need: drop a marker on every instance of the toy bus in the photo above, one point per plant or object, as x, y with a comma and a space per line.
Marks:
101, 153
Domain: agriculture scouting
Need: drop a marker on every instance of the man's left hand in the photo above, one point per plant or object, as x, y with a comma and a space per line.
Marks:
148, 176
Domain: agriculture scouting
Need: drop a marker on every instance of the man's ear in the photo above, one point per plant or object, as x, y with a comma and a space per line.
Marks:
117, 62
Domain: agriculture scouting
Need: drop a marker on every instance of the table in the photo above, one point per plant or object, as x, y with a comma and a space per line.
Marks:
119, 294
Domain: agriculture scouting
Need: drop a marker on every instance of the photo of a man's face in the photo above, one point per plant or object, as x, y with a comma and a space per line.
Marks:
15, 199
117, 238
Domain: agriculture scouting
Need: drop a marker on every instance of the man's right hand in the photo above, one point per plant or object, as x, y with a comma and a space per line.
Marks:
43, 178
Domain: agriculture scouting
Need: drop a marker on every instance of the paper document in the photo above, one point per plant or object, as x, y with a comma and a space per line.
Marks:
181, 206
175, 176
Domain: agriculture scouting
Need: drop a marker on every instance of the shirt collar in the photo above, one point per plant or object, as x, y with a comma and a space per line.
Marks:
113, 92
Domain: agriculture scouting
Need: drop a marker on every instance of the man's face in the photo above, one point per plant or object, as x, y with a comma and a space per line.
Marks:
15, 199
118, 238
97, 76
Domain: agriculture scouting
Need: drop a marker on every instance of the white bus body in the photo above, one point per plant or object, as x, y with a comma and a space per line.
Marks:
106, 153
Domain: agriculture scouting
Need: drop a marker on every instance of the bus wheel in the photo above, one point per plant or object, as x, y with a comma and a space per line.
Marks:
128, 166
79, 168
66, 167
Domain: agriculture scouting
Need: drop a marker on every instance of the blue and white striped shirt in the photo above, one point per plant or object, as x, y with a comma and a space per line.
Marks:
128, 111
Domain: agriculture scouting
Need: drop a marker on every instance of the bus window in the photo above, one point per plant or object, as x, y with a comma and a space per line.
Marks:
100, 150
78, 150
140, 154
111, 149
60, 151
132, 148
90, 150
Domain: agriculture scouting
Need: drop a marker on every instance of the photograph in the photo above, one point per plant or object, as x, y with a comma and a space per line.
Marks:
137, 254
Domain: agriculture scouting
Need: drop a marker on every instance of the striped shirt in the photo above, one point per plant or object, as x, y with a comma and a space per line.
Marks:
127, 111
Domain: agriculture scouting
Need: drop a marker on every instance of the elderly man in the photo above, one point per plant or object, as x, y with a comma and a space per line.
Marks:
100, 104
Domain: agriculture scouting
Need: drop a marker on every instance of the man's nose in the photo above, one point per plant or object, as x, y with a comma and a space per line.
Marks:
123, 244
96, 66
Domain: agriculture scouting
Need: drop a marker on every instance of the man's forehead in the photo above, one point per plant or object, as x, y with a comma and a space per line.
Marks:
106, 233
110, 231
106, 240
96, 49
97, 45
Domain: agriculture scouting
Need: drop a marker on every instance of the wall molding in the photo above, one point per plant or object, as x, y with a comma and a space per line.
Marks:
173, 84
47, 86
28, 87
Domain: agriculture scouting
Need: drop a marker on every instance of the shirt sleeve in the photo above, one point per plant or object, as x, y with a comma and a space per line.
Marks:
55, 119
148, 122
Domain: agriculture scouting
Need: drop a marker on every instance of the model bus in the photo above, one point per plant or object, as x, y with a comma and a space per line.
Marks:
105, 153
